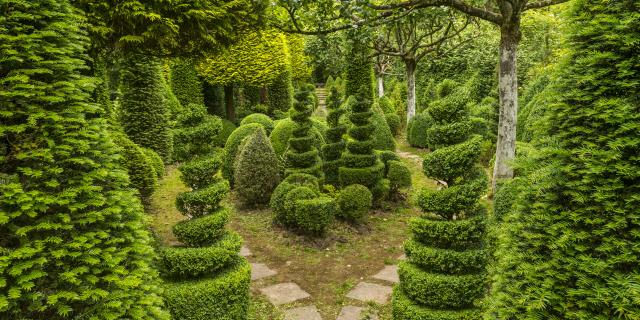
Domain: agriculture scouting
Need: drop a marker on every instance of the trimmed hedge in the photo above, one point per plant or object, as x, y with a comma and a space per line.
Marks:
417, 130
185, 83
313, 216
202, 231
196, 132
224, 296
192, 262
201, 172
398, 174
405, 308
256, 172
260, 119
302, 157
156, 161
457, 235
203, 201
354, 202
231, 148
227, 128
142, 175
445, 260
393, 121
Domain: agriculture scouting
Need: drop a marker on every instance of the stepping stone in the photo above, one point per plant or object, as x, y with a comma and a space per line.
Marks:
245, 252
365, 291
354, 313
260, 270
284, 293
389, 273
302, 313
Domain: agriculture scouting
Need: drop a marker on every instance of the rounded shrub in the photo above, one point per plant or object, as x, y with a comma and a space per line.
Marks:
354, 202
225, 132
260, 119
202, 231
156, 161
399, 175
417, 130
201, 172
231, 148
393, 121
142, 175
256, 173
203, 201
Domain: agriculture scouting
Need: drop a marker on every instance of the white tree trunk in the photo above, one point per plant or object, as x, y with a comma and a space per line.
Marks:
380, 86
411, 90
508, 86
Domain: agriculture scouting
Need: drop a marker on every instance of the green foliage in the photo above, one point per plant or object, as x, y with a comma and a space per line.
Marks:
359, 71
260, 119
225, 295
398, 174
450, 114
227, 128
281, 93
386, 105
283, 131
302, 156
185, 84
203, 231
231, 148
203, 201
405, 308
141, 172
417, 130
354, 202
382, 136
201, 172
256, 174
332, 150
74, 242
393, 121
143, 112
569, 248
196, 132
156, 161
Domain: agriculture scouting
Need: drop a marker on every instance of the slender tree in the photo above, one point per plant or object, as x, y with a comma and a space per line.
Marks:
73, 241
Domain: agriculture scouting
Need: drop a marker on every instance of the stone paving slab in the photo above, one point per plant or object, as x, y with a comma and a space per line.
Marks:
365, 291
260, 271
389, 273
354, 313
284, 293
245, 252
303, 313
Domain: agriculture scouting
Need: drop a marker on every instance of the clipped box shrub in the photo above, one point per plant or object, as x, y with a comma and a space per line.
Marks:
404, 308
446, 261
417, 130
256, 172
283, 130
201, 172
393, 121
224, 296
231, 148
399, 175
156, 161
202, 201
195, 133
313, 216
202, 231
192, 262
354, 202
457, 234
260, 119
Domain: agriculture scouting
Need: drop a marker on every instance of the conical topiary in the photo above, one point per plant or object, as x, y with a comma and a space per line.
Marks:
332, 150
444, 275
302, 156
73, 241
256, 174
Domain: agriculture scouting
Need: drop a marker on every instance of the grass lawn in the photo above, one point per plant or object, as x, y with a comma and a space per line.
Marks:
327, 268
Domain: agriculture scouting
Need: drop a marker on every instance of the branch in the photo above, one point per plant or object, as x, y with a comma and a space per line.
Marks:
459, 5
542, 4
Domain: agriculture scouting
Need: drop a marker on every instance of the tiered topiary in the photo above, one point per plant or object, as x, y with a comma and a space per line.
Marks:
196, 132
302, 156
73, 241
332, 150
185, 83
569, 249
298, 203
256, 173
450, 115
444, 276
206, 279
281, 95
259, 118
283, 131
143, 112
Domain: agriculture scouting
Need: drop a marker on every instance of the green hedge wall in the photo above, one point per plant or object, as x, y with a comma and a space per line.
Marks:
74, 238
143, 113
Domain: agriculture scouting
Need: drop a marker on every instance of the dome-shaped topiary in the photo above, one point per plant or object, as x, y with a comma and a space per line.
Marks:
231, 148
260, 119
354, 202
255, 173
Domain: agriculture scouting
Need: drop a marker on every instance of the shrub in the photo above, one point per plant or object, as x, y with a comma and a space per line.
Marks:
143, 113
225, 295
399, 175
201, 172
281, 93
156, 161
185, 83
313, 216
393, 121
256, 174
202, 231
260, 119
231, 148
140, 169
196, 133
386, 105
283, 130
301, 156
202, 201
225, 132
382, 136
354, 201
417, 130
74, 238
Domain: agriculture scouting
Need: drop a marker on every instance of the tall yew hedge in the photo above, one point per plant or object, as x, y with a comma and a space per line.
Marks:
571, 247
73, 242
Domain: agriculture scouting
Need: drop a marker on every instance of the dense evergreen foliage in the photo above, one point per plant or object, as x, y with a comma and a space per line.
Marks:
302, 156
571, 248
140, 167
444, 277
231, 148
281, 94
144, 115
260, 119
185, 83
417, 130
354, 202
283, 131
255, 173
332, 150
74, 244
196, 132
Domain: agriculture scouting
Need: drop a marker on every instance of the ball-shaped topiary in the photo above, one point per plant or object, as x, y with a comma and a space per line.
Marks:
399, 175
231, 148
143, 113
74, 238
141, 172
417, 130
354, 202
255, 173
260, 119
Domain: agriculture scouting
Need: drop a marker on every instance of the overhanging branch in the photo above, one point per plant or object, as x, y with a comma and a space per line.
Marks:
542, 4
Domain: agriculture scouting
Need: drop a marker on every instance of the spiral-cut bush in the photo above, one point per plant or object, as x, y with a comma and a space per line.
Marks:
444, 275
302, 156
332, 150
196, 132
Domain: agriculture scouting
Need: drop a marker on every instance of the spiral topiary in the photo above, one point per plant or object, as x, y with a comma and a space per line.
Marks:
302, 156
444, 275
332, 150
196, 132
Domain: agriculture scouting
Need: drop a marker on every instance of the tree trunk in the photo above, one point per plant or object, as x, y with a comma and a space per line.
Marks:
411, 89
228, 102
263, 95
380, 86
508, 87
